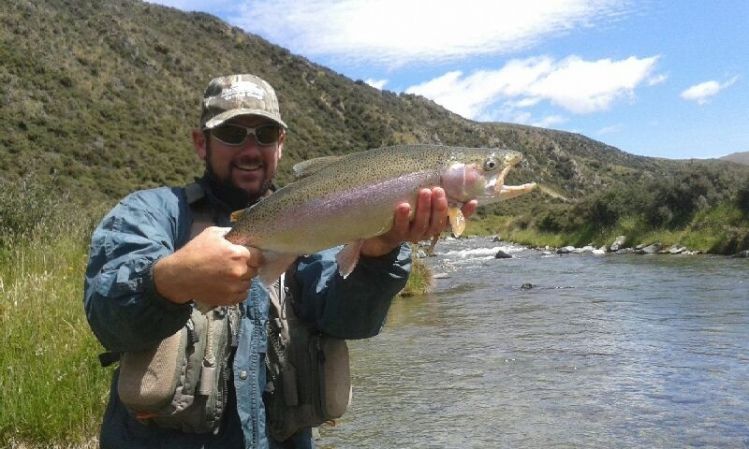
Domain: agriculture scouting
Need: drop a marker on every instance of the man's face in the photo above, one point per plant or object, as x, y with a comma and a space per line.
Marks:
249, 166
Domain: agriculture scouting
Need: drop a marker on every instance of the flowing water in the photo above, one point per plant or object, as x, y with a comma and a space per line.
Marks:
614, 351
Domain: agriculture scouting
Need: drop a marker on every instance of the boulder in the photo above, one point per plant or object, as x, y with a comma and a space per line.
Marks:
502, 255
743, 254
566, 250
648, 249
618, 243
676, 249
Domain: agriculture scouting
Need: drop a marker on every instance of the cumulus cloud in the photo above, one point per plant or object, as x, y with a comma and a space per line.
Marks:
377, 84
396, 32
574, 84
702, 92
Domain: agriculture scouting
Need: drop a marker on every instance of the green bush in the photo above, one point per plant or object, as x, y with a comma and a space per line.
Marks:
742, 197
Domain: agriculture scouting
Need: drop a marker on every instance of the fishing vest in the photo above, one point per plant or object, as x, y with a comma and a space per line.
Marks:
182, 383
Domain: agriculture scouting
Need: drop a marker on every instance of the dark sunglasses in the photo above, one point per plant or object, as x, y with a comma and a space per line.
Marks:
235, 135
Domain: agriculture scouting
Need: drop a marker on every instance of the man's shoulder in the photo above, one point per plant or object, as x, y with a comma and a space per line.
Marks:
155, 197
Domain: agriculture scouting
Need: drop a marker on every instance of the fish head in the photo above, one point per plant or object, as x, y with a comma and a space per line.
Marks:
477, 173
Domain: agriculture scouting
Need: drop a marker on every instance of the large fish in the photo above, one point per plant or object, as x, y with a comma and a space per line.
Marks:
348, 199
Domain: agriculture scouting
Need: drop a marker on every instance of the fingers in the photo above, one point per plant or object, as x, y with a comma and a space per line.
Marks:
439, 207
422, 216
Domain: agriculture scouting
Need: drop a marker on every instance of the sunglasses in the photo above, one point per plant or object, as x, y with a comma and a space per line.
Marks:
235, 135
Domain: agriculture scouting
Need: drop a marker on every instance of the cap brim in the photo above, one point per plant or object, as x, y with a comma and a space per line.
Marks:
227, 115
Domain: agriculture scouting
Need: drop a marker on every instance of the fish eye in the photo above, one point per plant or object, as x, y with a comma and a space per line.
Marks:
490, 164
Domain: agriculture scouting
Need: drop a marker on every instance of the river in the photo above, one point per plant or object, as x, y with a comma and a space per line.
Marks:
613, 351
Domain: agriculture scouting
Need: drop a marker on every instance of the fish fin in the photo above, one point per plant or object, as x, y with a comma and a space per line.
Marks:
274, 265
237, 215
348, 257
457, 220
312, 166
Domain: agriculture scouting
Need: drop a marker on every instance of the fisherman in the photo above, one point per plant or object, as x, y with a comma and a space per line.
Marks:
145, 274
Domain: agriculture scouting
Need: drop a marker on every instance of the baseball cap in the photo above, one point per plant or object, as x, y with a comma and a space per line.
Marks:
244, 94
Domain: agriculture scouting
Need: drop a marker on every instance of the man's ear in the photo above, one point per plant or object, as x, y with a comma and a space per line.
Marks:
281, 140
199, 141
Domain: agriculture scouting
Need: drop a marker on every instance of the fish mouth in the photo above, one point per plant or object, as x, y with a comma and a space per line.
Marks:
510, 162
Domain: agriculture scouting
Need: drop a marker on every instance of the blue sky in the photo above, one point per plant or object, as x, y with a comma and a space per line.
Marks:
655, 78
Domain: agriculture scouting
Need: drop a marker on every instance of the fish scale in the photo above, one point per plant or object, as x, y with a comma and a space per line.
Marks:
353, 198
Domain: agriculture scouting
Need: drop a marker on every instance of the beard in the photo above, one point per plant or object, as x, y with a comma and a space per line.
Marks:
234, 197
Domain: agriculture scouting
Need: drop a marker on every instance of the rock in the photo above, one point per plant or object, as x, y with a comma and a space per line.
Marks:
649, 249
502, 255
526, 286
496, 238
600, 251
588, 248
618, 243
676, 249
566, 250
743, 254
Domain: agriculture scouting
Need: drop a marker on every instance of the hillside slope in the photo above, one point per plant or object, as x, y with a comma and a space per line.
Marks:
102, 95
739, 158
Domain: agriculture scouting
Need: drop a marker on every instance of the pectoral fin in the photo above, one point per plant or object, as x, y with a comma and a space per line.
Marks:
457, 220
274, 264
236, 215
348, 257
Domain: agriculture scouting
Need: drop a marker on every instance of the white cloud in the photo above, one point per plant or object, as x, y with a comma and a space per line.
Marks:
659, 78
574, 84
702, 92
549, 121
609, 130
396, 32
377, 84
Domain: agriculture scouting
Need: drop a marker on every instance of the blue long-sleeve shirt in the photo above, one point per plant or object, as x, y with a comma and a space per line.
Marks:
126, 313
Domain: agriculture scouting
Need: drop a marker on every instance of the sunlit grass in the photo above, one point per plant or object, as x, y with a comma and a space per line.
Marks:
52, 388
420, 280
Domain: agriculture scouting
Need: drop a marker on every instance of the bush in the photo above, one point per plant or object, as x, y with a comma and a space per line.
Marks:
35, 208
742, 198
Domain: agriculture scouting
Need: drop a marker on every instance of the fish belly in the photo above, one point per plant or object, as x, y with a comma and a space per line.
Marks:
341, 217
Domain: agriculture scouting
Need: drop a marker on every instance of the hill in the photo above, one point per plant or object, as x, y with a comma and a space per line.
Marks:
739, 158
100, 97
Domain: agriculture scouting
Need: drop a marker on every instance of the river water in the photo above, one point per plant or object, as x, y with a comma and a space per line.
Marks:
614, 351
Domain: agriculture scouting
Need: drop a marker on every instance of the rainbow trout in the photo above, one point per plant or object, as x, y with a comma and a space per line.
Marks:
348, 199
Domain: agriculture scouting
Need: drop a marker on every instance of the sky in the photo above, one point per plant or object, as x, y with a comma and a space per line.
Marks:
655, 78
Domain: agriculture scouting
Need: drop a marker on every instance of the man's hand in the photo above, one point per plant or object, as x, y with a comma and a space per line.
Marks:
208, 269
429, 219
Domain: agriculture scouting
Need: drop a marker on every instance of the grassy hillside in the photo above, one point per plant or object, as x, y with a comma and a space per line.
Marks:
102, 95
739, 158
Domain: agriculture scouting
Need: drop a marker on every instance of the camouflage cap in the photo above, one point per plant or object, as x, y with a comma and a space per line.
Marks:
230, 96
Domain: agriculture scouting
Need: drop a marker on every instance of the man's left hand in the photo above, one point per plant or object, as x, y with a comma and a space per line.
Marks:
429, 219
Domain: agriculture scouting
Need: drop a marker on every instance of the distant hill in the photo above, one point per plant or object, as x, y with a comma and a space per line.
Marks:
739, 158
101, 95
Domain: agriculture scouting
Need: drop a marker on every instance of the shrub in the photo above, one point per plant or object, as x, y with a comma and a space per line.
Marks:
742, 197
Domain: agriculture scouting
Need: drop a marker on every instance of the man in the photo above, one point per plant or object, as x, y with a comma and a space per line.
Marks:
145, 271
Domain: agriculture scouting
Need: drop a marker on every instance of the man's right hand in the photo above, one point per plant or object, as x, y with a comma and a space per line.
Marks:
208, 269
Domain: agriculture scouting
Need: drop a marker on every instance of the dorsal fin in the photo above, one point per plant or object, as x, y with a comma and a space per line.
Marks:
312, 166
